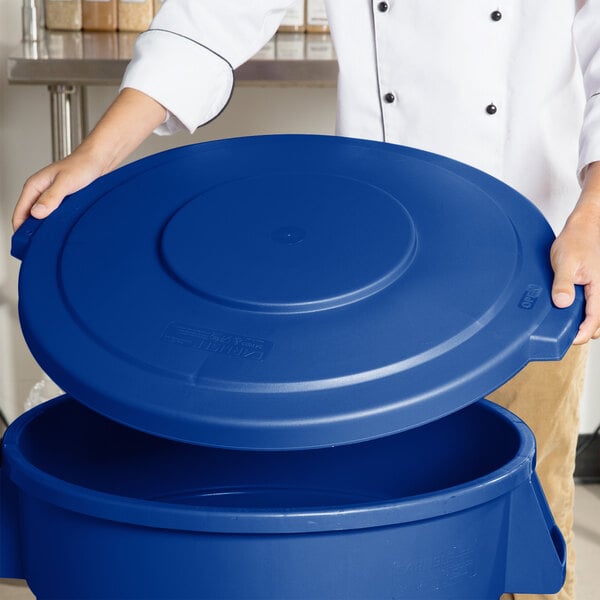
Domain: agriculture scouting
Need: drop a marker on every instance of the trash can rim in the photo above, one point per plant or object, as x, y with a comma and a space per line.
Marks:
150, 513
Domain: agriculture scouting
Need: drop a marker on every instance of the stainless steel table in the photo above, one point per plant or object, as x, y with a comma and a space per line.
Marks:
67, 62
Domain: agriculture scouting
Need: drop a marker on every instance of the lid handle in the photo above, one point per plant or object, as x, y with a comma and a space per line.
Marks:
536, 557
556, 333
23, 236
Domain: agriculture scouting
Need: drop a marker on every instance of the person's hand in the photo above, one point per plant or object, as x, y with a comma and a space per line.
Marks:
575, 257
125, 125
44, 191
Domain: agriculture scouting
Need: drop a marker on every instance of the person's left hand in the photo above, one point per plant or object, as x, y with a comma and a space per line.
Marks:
575, 257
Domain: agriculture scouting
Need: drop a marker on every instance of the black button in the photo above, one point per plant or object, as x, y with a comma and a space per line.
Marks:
389, 97
491, 109
496, 15
383, 7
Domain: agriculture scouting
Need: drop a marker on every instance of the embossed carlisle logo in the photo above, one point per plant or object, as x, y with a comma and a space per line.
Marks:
220, 342
530, 297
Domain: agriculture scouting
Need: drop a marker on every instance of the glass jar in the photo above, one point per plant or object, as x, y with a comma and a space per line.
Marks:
135, 15
294, 18
100, 15
316, 17
63, 14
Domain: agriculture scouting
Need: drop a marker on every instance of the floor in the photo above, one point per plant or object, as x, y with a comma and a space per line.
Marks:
587, 546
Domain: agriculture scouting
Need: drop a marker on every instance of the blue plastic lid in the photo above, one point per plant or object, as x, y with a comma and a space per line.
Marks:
287, 292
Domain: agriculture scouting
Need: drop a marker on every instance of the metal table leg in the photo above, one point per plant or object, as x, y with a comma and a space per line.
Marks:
68, 118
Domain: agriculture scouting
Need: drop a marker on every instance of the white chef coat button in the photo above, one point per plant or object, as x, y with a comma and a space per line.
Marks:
491, 109
383, 7
389, 97
496, 15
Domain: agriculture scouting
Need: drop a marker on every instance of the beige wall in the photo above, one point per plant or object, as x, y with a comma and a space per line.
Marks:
25, 147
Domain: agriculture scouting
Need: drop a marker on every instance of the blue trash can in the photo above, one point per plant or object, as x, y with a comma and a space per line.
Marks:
452, 509
275, 377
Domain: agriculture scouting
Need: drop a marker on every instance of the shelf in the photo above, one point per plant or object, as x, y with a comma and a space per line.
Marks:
92, 58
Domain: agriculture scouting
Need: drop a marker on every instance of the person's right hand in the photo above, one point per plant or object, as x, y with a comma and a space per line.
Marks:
128, 121
44, 191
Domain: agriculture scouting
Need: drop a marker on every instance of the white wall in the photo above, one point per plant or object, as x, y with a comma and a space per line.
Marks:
25, 147
590, 406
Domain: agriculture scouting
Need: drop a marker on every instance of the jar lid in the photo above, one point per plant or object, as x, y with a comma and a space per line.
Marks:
285, 292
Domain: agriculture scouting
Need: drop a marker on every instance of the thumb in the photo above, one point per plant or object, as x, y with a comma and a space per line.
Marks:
563, 287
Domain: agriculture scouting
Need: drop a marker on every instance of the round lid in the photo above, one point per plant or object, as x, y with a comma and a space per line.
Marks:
285, 292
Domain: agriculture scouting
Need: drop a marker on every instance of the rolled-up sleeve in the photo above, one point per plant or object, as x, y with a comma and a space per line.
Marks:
586, 32
187, 57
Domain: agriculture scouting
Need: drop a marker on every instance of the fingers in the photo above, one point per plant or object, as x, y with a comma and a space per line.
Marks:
45, 190
32, 190
42, 193
590, 327
575, 258
52, 197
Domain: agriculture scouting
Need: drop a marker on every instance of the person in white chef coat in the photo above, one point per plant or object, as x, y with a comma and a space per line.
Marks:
512, 88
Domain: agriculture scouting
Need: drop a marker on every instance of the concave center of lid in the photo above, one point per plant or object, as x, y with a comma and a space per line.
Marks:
289, 242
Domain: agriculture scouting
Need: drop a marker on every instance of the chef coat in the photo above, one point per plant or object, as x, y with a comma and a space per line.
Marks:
510, 87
